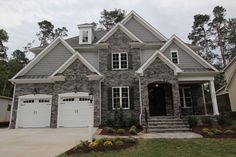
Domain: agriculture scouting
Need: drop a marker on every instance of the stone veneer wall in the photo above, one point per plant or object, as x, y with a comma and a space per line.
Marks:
75, 74
158, 71
119, 42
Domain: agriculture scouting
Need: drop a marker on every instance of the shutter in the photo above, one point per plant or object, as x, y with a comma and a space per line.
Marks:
109, 98
109, 60
130, 60
131, 97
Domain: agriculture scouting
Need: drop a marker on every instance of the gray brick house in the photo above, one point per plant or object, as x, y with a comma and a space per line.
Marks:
80, 81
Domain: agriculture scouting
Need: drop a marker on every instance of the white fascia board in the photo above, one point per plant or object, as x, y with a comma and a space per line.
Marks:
122, 28
163, 58
195, 78
35, 96
143, 22
44, 53
188, 50
50, 79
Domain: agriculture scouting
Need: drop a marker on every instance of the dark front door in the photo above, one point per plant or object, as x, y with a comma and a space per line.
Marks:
157, 105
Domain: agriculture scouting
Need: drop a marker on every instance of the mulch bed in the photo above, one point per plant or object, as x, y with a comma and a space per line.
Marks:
199, 131
103, 132
100, 148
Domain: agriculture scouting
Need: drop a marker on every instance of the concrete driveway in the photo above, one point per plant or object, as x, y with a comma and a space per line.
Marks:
39, 142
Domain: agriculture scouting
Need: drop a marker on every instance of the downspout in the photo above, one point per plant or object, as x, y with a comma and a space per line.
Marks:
12, 104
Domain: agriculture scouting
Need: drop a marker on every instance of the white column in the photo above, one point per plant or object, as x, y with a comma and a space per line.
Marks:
213, 98
204, 100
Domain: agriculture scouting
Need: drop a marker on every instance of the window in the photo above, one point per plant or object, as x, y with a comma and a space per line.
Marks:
8, 107
85, 36
185, 97
119, 61
174, 56
120, 97
43, 100
28, 101
68, 99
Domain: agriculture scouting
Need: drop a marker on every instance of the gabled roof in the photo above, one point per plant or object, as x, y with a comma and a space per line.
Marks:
114, 29
188, 50
163, 58
144, 23
75, 56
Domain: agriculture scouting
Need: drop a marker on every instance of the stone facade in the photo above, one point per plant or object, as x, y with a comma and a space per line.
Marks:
119, 42
158, 71
75, 75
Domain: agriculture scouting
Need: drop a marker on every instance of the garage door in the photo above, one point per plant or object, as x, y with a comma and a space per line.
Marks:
75, 112
34, 112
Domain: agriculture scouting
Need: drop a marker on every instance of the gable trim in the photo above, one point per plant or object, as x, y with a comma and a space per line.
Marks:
163, 58
231, 77
114, 29
180, 43
75, 56
144, 23
43, 54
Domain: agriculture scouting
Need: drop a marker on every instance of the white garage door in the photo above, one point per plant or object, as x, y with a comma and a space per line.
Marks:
75, 112
34, 112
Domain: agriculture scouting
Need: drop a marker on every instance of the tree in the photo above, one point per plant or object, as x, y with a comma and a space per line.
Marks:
20, 57
110, 18
218, 29
3, 49
200, 36
60, 32
231, 38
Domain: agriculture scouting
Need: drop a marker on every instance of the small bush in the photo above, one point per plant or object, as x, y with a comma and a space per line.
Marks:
119, 143
130, 140
206, 120
120, 131
109, 122
233, 127
133, 127
205, 130
108, 143
210, 133
116, 139
132, 131
109, 130
131, 121
229, 132
216, 131
102, 140
221, 120
192, 120
93, 144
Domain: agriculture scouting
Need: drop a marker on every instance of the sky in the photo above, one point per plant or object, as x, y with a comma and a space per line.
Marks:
20, 17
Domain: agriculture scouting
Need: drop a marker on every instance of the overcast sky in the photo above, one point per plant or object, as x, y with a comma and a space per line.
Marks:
19, 17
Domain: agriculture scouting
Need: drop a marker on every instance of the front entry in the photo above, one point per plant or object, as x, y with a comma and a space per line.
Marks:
157, 102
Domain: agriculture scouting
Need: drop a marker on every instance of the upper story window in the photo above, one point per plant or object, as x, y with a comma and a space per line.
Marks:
85, 36
185, 97
174, 56
119, 61
120, 97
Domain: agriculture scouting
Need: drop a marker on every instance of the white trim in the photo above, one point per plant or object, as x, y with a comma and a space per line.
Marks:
120, 97
195, 78
177, 53
163, 58
228, 65
213, 98
42, 54
12, 104
114, 29
119, 59
77, 55
204, 99
148, 26
50, 79
188, 50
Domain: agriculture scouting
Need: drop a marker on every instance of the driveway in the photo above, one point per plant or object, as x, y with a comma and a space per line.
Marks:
39, 142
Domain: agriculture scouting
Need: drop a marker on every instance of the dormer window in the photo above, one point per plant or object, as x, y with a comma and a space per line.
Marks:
85, 36
174, 56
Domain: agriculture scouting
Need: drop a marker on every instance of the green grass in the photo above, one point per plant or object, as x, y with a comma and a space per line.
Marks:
174, 148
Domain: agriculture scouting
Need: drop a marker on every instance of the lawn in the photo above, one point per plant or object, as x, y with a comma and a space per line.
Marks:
174, 148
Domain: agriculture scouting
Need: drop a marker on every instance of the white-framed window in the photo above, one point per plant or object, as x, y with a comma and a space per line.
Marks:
85, 36
185, 97
120, 61
174, 56
120, 98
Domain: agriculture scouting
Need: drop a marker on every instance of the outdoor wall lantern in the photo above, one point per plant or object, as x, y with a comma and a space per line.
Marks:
91, 96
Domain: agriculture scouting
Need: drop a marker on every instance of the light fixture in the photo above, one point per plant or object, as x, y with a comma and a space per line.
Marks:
156, 85
91, 96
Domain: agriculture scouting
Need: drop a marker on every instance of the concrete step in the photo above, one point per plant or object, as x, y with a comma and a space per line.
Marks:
167, 123
167, 126
165, 120
164, 117
169, 130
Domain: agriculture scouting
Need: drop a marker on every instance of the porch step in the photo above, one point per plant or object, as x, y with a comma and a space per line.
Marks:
166, 124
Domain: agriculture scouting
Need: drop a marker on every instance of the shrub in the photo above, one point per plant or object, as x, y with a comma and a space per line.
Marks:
192, 120
206, 120
233, 127
221, 120
130, 140
229, 132
133, 127
132, 131
119, 143
109, 122
102, 140
109, 130
210, 133
93, 144
216, 131
131, 121
108, 143
205, 130
120, 131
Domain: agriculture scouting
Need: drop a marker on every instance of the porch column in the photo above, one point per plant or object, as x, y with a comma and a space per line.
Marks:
213, 98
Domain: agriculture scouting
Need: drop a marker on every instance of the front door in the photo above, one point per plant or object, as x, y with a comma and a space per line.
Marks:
157, 105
